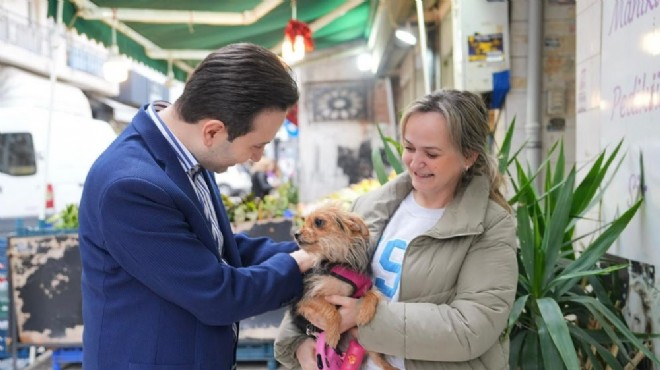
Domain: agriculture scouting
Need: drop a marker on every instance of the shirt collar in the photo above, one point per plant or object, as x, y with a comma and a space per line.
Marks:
187, 160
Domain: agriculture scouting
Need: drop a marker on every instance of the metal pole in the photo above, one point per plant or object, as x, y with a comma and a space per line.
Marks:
422, 45
60, 11
54, 43
534, 73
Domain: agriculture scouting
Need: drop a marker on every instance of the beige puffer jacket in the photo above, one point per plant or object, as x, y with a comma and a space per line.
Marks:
458, 282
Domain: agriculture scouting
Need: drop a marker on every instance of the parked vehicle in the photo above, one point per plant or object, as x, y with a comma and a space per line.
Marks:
38, 173
44, 157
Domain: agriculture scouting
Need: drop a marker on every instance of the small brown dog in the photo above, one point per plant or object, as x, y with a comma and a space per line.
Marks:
339, 239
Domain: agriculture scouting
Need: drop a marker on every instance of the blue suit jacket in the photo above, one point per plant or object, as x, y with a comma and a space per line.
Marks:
156, 294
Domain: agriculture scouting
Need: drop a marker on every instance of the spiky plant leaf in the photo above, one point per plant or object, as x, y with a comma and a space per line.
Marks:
394, 159
589, 344
556, 326
379, 166
505, 149
530, 356
554, 234
592, 181
516, 310
598, 247
606, 317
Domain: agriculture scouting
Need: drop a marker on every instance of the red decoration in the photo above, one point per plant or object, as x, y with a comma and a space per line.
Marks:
292, 115
295, 28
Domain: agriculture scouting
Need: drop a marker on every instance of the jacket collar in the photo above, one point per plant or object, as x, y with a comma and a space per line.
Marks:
464, 215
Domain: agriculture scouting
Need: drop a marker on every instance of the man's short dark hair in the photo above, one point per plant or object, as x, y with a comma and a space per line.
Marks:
234, 84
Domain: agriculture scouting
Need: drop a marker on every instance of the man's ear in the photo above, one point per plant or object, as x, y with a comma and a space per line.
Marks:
212, 129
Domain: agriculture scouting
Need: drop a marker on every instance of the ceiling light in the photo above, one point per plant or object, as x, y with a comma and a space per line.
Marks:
293, 52
364, 62
115, 68
297, 38
406, 36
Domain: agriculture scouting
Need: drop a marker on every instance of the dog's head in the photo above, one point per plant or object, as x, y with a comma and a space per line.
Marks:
336, 236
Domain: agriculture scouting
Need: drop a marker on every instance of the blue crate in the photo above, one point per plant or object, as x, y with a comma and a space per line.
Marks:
62, 356
257, 350
47, 231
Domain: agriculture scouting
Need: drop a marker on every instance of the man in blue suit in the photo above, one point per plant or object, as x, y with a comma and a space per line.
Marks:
165, 281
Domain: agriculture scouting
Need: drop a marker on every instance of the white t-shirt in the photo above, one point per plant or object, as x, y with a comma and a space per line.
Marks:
409, 221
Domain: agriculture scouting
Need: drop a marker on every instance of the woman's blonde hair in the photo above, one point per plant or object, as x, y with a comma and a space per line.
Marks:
467, 121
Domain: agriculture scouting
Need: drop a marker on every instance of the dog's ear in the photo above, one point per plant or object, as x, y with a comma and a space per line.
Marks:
356, 225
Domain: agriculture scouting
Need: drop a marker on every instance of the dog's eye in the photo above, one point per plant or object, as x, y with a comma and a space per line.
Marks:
319, 222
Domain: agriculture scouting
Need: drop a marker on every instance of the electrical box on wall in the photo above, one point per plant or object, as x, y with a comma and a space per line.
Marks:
481, 29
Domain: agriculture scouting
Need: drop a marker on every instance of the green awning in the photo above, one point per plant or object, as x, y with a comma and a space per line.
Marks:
268, 31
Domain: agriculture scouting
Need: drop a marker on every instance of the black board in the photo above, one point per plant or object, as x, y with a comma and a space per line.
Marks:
44, 277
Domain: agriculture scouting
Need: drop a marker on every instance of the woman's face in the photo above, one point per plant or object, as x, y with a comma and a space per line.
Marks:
433, 162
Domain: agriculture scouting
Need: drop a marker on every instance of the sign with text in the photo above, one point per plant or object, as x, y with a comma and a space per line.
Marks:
630, 110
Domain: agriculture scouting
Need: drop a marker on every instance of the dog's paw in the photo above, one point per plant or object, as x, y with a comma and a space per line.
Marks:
367, 307
332, 338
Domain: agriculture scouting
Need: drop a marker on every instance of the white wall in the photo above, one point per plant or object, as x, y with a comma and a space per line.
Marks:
618, 97
318, 172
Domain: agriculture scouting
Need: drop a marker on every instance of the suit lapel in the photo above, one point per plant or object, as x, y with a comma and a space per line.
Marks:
163, 153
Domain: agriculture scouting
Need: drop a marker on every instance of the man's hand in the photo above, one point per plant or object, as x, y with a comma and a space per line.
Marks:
304, 260
306, 354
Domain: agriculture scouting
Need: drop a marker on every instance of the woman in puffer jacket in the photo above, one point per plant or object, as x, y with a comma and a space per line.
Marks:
445, 250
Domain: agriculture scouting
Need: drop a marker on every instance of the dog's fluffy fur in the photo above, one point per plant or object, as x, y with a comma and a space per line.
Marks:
336, 237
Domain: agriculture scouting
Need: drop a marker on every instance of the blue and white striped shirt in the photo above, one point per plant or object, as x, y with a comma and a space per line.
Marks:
195, 175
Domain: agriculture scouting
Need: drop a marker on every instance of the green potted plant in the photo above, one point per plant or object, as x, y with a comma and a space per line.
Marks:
272, 216
562, 308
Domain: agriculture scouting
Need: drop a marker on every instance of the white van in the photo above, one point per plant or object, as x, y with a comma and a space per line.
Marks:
29, 169
42, 169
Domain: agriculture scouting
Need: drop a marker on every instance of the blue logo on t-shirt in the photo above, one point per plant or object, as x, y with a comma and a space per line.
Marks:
388, 265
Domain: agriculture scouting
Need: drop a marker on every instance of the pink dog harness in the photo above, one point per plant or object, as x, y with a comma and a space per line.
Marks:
328, 358
360, 282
